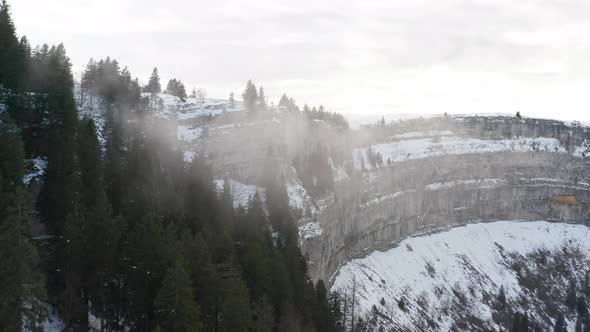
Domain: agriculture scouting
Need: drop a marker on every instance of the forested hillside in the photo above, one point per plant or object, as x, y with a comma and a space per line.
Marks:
117, 232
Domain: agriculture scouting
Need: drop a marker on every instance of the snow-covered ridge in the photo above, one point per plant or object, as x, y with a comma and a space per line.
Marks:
359, 120
411, 149
172, 107
480, 183
427, 272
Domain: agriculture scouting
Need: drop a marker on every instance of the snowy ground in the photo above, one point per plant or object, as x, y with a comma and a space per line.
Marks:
469, 259
93, 108
241, 193
189, 134
190, 108
419, 148
38, 170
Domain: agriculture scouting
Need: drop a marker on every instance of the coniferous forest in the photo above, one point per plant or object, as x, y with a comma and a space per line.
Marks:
134, 237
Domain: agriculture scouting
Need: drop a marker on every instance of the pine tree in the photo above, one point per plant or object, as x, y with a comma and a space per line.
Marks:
256, 214
153, 85
261, 99
21, 287
336, 310
571, 298
524, 323
59, 201
581, 307
250, 96
226, 208
516, 323
560, 324
232, 310
12, 64
175, 306
176, 88
101, 233
284, 101
232, 101
502, 297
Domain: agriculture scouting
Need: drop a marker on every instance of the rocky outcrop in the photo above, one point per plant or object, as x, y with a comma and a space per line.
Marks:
464, 170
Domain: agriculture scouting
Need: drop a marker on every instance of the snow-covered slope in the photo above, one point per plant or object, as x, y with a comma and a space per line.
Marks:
170, 107
452, 279
413, 145
241, 193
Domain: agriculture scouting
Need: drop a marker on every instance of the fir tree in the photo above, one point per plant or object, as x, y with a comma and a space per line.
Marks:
176, 88
232, 101
175, 306
21, 286
284, 101
12, 64
571, 297
560, 324
336, 310
153, 85
250, 96
502, 297
261, 99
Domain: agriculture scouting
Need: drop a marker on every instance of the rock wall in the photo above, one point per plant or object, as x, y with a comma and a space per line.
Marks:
374, 209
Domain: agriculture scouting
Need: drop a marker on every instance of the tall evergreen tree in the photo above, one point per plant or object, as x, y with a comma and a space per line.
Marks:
560, 324
59, 201
232, 101
153, 85
261, 99
12, 57
176, 88
175, 306
21, 286
571, 296
250, 96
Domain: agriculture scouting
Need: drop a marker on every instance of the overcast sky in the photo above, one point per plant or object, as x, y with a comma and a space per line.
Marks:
364, 56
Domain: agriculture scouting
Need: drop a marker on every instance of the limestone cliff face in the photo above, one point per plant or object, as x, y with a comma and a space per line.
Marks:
397, 180
453, 171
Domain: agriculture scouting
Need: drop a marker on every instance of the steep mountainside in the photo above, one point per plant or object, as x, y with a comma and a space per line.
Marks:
404, 178
453, 280
419, 175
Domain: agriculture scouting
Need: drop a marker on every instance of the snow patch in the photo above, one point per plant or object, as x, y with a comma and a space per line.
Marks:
468, 259
422, 134
189, 156
310, 230
39, 167
299, 198
481, 183
241, 193
189, 134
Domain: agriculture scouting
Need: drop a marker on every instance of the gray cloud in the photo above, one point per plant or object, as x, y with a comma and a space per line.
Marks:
354, 56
